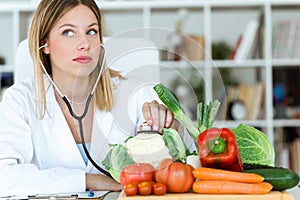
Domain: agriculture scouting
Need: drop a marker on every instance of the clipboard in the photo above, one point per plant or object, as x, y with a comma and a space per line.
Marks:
83, 195
65, 196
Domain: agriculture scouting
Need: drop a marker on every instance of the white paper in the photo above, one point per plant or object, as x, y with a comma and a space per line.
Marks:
81, 195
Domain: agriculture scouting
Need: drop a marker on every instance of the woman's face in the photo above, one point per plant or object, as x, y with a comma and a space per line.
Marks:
74, 44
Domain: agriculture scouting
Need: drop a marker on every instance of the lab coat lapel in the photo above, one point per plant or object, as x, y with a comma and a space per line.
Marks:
100, 138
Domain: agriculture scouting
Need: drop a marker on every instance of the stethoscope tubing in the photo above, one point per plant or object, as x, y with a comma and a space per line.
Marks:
79, 118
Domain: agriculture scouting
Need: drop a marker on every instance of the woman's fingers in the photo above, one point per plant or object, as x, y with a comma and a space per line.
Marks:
157, 115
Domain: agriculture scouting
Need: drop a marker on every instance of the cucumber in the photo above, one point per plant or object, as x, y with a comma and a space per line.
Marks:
280, 178
256, 166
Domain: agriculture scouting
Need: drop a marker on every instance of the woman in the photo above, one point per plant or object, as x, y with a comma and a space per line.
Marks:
39, 139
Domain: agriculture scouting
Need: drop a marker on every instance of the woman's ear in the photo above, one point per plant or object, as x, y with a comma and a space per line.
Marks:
46, 50
45, 47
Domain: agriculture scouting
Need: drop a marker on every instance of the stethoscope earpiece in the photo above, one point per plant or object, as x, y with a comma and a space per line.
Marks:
43, 46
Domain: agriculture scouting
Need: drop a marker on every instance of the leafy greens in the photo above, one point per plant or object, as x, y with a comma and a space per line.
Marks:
116, 159
254, 146
175, 144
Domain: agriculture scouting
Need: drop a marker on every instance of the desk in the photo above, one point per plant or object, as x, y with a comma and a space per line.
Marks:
274, 195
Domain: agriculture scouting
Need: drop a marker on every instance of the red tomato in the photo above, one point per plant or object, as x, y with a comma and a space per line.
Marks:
136, 173
162, 172
131, 189
159, 189
145, 188
176, 176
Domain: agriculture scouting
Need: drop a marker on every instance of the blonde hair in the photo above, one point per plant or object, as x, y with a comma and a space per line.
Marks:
45, 17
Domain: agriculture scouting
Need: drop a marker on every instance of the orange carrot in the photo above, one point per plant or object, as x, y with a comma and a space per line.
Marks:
204, 173
229, 187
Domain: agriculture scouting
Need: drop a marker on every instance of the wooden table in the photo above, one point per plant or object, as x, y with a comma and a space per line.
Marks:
274, 195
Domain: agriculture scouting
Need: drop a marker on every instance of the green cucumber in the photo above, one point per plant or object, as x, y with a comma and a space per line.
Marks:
279, 177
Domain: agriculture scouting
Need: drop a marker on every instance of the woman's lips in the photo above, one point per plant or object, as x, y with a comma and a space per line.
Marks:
83, 59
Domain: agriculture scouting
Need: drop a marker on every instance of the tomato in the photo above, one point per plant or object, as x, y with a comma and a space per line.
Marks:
159, 189
136, 173
162, 172
131, 189
177, 176
145, 188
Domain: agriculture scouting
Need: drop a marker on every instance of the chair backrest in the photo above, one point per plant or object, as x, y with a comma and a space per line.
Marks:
123, 54
23, 63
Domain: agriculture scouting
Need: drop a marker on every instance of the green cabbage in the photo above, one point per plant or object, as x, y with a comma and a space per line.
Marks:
254, 146
116, 159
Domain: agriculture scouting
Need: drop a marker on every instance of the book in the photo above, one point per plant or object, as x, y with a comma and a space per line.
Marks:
227, 98
257, 101
193, 47
231, 95
284, 39
251, 95
282, 148
246, 95
236, 46
259, 47
295, 155
247, 41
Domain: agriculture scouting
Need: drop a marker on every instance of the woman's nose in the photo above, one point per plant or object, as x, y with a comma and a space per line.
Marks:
83, 43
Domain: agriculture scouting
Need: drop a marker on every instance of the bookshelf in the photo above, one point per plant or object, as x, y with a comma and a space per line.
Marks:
215, 20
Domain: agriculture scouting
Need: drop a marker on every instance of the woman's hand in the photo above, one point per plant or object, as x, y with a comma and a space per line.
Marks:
98, 182
157, 115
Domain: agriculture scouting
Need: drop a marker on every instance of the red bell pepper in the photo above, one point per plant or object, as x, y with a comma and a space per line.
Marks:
218, 149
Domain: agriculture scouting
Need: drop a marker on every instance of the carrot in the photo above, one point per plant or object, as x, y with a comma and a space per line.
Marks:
204, 173
229, 187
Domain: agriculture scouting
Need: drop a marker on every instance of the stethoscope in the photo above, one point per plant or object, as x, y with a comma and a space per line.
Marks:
79, 118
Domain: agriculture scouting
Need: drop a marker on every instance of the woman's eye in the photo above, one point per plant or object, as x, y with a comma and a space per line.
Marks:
92, 32
68, 33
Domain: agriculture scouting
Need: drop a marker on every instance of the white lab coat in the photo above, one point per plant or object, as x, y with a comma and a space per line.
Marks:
41, 156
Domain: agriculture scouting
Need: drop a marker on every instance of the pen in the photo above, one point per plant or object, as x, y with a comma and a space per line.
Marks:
54, 197
90, 193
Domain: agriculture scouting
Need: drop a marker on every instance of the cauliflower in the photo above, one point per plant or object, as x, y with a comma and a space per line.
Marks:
147, 148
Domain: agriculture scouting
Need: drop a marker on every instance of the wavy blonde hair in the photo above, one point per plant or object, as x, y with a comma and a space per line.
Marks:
45, 17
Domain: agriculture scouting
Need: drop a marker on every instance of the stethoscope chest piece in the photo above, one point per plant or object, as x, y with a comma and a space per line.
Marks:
146, 128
